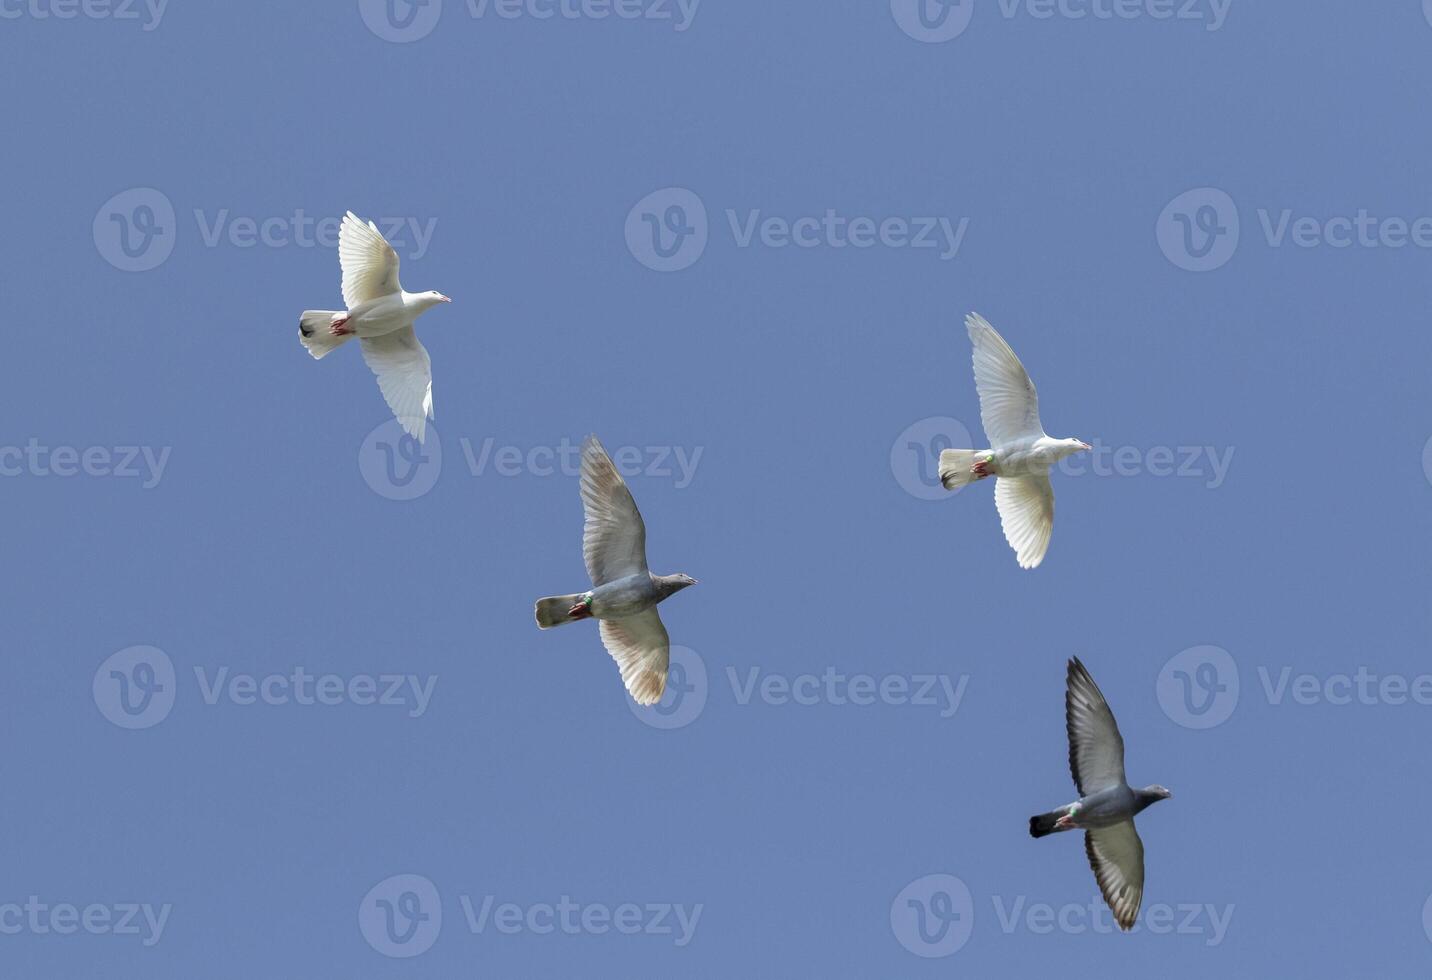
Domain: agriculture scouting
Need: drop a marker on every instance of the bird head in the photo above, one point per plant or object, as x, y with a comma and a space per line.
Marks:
682, 580
1080, 446
432, 298
1159, 791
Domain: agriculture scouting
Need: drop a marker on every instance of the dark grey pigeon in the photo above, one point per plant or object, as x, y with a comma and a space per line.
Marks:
1106, 805
626, 593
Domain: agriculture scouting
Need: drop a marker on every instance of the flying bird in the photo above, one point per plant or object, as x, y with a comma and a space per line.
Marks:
625, 593
1106, 805
1020, 454
380, 313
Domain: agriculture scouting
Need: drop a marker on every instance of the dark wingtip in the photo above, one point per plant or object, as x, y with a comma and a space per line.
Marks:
302, 329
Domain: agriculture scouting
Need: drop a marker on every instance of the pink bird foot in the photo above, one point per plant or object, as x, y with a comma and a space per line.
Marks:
339, 327
981, 469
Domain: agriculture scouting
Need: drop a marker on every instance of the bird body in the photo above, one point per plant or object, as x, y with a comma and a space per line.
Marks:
1020, 453
380, 313
1107, 805
624, 593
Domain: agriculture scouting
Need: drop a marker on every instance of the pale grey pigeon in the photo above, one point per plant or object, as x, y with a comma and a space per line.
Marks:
626, 593
1020, 454
380, 314
1106, 805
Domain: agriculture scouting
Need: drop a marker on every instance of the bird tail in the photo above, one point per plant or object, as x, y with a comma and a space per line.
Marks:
1043, 825
313, 331
956, 466
554, 610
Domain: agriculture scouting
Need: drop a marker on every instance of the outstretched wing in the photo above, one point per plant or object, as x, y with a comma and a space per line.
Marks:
370, 266
1117, 856
1009, 405
642, 650
405, 376
614, 540
1096, 749
1026, 512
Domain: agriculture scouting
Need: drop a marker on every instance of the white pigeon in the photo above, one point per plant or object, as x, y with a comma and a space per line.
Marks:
1020, 454
380, 314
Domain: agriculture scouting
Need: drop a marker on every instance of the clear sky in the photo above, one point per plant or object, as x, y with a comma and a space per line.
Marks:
343, 743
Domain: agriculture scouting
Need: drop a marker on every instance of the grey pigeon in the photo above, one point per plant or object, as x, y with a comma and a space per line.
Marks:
626, 593
1020, 454
1106, 805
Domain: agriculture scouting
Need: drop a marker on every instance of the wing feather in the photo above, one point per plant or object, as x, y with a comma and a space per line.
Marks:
370, 266
1026, 512
642, 650
405, 376
1117, 856
1009, 405
1096, 749
614, 539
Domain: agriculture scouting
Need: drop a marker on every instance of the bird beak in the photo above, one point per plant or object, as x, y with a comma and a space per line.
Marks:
1085, 445
447, 299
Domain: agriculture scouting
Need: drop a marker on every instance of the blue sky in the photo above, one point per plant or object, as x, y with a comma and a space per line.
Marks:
279, 706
